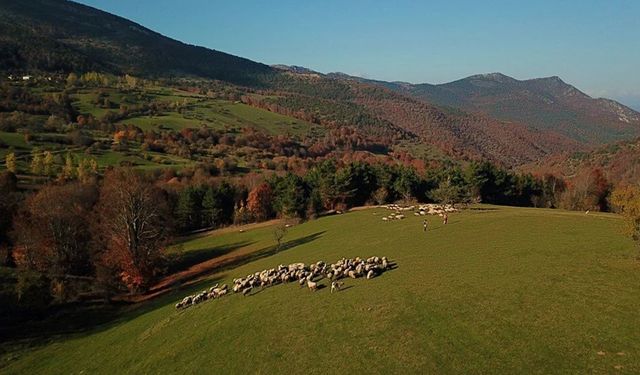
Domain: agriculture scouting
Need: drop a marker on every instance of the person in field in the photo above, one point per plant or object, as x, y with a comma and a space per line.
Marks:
424, 225
445, 219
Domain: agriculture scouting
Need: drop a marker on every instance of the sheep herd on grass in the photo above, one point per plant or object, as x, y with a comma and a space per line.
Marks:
304, 275
421, 210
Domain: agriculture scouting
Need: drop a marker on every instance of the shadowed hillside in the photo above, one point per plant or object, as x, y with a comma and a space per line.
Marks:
63, 36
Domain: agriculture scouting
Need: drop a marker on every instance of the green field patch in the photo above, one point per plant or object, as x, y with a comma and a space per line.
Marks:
170, 121
15, 140
135, 158
497, 290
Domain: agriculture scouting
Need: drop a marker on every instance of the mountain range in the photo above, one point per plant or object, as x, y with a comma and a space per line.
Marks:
542, 103
489, 116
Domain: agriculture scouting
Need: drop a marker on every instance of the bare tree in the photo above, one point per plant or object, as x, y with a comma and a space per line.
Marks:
134, 224
279, 232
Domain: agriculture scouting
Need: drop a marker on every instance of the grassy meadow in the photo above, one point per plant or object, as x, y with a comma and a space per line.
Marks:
497, 290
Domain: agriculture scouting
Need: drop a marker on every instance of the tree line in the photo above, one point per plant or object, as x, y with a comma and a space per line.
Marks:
109, 233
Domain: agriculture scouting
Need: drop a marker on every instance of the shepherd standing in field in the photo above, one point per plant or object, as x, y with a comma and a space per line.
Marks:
445, 219
424, 225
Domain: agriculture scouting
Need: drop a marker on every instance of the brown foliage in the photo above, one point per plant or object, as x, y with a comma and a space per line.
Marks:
626, 200
51, 231
134, 225
259, 202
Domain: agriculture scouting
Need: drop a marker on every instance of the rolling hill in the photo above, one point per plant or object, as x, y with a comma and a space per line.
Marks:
542, 103
484, 294
512, 125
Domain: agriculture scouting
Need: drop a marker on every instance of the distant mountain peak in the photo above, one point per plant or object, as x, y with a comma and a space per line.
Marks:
544, 104
495, 75
294, 69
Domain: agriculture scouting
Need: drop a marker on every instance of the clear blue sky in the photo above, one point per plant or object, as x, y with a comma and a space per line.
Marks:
594, 45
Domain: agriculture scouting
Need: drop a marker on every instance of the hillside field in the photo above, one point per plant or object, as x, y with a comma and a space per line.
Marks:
497, 290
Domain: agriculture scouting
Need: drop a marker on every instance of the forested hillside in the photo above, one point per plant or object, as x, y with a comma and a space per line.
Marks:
543, 103
63, 36
46, 37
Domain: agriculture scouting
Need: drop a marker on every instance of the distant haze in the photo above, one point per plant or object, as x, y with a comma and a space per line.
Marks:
594, 45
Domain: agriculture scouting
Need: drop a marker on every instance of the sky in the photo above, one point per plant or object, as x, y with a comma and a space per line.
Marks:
594, 45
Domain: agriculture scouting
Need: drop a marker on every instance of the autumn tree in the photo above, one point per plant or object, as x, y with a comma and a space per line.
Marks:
48, 163
599, 189
37, 165
87, 169
51, 233
260, 201
67, 169
553, 187
10, 162
72, 80
587, 191
134, 224
627, 201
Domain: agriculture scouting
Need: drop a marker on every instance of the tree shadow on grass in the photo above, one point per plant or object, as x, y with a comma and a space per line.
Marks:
77, 321
84, 320
186, 259
266, 252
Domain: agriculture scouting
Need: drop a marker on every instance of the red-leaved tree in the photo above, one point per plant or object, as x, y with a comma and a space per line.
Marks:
133, 221
259, 202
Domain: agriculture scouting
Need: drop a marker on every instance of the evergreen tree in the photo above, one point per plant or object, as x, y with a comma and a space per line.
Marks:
188, 209
291, 196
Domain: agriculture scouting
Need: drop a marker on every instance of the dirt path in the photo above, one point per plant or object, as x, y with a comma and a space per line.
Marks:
233, 228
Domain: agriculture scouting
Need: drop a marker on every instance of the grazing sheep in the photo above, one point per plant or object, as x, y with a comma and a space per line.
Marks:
336, 285
313, 286
346, 267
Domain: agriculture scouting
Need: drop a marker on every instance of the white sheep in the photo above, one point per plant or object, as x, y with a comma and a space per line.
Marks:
313, 286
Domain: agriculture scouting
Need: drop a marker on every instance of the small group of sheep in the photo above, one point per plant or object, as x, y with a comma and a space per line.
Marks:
398, 208
421, 210
213, 293
304, 275
435, 209
393, 216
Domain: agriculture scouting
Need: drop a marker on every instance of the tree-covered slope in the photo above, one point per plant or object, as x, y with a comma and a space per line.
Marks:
543, 103
63, 36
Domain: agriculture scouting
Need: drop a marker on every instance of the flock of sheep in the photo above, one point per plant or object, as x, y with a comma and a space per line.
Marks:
422, 210
309, 275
